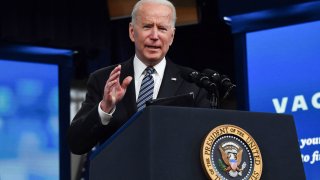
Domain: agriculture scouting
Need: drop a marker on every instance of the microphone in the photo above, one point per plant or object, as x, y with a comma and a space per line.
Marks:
224, 82
200, 79
227, 85
213, 75
189, 74
203, 81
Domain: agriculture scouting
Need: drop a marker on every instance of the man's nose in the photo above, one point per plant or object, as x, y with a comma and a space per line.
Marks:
154, 33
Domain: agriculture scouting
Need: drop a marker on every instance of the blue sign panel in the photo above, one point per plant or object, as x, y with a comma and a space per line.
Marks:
29, 121
284, 77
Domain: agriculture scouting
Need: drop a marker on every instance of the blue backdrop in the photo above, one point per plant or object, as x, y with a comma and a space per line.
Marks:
283, 76
29, 121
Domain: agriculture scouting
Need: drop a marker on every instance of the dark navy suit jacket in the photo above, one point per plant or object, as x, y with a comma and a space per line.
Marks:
86, 129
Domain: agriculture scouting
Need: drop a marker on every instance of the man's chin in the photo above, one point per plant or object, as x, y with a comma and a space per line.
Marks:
153, 58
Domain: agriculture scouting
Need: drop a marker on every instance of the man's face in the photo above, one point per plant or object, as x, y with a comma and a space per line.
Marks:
152, 32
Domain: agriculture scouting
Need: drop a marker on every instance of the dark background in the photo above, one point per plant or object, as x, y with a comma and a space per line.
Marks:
85, 27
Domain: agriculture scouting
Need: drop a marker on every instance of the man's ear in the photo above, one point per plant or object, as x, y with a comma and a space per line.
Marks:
172, 35
131, 32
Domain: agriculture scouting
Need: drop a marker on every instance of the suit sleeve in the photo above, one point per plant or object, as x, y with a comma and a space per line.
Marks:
86, 129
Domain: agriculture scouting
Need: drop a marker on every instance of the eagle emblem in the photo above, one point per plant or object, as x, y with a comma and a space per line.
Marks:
231, 154
226, 155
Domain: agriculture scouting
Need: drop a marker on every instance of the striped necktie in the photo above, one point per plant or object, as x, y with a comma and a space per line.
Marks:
146, 89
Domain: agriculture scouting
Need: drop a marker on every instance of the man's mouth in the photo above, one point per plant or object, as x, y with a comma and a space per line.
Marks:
153, 47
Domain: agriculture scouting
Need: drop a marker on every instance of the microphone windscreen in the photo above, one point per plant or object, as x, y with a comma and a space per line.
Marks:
213, 75
189, 74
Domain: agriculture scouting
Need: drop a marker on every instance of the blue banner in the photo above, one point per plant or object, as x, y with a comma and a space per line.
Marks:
284, 77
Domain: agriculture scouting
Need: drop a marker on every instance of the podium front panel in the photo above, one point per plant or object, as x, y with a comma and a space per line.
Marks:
165, 143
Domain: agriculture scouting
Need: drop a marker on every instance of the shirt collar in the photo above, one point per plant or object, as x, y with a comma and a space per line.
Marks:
139, 67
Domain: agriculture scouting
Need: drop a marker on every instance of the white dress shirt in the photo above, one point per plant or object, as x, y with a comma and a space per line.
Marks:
139, 73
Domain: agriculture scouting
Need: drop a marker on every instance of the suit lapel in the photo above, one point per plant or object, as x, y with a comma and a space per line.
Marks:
129, 100
171, 81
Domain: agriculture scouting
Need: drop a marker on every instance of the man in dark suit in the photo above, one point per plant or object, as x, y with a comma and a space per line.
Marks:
112, 92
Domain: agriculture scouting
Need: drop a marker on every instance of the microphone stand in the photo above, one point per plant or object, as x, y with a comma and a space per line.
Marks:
212, 90
214, 97
203, 81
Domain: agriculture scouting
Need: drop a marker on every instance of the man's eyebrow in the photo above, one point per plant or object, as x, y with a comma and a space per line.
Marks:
164, 25
144, 23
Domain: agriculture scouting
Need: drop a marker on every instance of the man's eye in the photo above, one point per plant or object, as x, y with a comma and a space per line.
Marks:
163, 29
146, 27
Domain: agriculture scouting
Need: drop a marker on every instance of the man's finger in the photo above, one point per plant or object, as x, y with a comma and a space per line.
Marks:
117, 68
115, 71
114, 75
126, 82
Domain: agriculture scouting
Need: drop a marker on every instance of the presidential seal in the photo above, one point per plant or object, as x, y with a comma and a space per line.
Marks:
230, 153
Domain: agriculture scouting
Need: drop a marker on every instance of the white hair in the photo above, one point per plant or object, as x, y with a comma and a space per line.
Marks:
161, 2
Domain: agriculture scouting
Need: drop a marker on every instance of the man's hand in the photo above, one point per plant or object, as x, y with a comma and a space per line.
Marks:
113, 90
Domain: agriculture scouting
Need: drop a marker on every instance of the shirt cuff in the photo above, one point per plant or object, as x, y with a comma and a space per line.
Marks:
105, 117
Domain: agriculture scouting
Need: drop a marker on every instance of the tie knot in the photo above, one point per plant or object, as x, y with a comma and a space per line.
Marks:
149, 70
